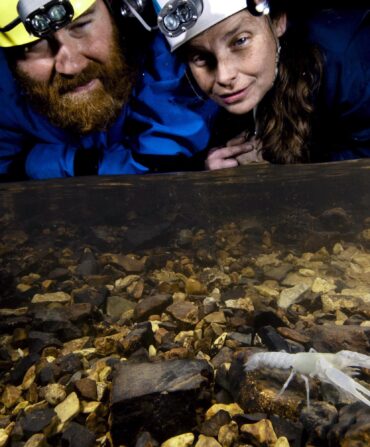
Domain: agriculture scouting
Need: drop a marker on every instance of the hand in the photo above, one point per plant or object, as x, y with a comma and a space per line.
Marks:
238, 150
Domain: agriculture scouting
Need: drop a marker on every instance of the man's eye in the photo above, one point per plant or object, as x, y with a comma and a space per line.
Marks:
79, 25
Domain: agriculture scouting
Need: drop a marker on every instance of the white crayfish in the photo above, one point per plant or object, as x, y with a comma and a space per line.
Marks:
335, 369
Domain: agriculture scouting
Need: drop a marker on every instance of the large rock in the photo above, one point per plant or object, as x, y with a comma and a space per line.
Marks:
160, 398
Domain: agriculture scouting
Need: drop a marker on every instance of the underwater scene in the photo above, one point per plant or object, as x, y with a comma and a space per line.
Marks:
210, 309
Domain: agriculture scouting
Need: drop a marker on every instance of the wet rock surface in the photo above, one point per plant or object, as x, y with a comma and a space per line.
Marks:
102, 346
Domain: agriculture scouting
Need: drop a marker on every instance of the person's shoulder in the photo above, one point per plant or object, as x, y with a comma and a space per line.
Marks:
335, 29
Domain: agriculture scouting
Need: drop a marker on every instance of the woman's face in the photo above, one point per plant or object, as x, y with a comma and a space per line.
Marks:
234, 61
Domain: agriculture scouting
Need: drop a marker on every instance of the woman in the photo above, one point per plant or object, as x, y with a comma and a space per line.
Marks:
290, 93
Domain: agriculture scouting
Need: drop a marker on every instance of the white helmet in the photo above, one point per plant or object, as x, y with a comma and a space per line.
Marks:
181, 20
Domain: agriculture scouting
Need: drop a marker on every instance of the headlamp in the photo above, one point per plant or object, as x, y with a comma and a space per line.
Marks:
177, 16
41, 19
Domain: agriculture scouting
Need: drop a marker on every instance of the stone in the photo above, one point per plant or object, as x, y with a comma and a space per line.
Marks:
333, 338
37, 440
292, 295
185, 312
207, 441
76, 435
232, 409
211, 426
183, 440
86, 388
54, 393
261, 432
318, 419
38, 420
68, 408
151, 305
157, 397
11, 396
228, 434
52, 297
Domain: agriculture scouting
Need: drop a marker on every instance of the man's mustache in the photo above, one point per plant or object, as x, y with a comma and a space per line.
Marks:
64, 85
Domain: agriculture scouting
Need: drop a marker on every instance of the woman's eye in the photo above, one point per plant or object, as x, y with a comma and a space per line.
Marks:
198, 59
241, 41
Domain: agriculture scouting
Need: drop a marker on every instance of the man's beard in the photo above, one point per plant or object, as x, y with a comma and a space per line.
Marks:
84, 112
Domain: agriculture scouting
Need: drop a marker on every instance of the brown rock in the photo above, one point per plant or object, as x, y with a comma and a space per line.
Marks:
86, 388
157, 397
261, 432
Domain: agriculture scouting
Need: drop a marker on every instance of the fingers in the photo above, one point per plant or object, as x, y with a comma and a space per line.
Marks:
212, 165
254, 156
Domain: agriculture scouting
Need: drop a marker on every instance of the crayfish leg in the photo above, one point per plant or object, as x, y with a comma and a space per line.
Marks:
305, 378
289, 379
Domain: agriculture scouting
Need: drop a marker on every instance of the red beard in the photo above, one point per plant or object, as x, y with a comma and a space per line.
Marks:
95, 110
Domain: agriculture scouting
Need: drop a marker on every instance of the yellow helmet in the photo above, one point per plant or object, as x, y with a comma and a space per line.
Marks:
24, 21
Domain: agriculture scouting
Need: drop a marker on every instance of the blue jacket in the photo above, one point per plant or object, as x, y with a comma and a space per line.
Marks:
161, 129
342, 124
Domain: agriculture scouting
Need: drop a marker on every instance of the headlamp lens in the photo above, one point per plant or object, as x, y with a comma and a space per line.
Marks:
177, 16
184, 13
49, 18
40, 23
57, 13
171, 22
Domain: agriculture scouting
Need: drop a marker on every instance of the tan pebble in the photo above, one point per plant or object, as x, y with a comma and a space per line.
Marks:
3, 437
179, 296
233, 409
122, 283
307, 273
194, 287
29, 378
248, 272
321, 285
36, 440
10, 396
105, 373
20, 407
47, 284
152, 351
216, 317
282, 442
338, 249
54, 393
241, 303
23, 287
90, 407
220, 341
69, 408
262, 432
101, 387
56, 297
267, 292
183, 335
365, 323
207, 441
290, 296
228, 434
184, 440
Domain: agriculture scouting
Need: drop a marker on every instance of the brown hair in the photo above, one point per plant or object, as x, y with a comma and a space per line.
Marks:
284, 115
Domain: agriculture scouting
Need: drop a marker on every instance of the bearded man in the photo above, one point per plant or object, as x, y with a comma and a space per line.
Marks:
66, 80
